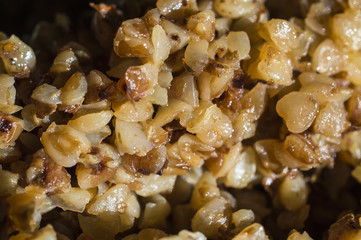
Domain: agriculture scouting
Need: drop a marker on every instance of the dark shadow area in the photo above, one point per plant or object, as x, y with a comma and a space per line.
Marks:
286, 8
19, 17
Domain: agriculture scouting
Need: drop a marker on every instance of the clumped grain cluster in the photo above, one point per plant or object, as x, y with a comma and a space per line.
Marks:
198, 120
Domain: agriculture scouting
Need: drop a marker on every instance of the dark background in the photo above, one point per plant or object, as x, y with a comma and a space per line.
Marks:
19, 17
